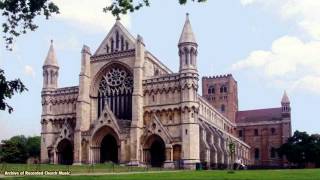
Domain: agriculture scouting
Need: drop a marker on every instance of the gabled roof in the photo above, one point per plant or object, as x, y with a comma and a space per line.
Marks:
122, 30
187, 35
51, 59
258, 115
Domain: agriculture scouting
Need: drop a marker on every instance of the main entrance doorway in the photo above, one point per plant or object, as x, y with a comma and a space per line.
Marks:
109, 149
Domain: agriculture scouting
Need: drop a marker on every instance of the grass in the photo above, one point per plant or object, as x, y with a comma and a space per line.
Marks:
296, 174
98, 168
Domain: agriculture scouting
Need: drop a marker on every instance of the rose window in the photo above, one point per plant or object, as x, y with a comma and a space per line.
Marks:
115, 90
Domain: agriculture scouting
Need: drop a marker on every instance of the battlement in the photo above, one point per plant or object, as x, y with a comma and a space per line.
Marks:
217, 76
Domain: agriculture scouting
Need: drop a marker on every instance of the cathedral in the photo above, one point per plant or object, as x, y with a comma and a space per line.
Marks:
129, 108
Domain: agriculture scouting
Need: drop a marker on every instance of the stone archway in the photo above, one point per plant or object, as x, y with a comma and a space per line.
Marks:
109, 149
156, 151
65, 152
105, 145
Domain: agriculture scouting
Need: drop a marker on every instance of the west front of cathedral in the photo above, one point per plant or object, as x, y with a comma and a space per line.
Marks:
129, 108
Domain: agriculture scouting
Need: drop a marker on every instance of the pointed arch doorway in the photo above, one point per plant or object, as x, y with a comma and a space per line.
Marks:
155, 149
109, 149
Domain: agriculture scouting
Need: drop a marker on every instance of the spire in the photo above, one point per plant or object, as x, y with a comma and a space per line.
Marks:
51, 59
187, 35
285, 98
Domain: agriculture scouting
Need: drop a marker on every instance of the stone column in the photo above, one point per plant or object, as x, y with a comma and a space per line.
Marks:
169, 157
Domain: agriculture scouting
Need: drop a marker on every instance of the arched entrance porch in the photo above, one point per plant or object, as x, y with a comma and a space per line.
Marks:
105, 146
65, 152
155, 151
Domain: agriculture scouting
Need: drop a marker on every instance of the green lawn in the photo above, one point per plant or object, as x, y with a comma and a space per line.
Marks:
99, 168
301, 174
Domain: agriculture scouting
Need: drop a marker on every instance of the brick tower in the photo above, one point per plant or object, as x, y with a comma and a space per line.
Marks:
222, 92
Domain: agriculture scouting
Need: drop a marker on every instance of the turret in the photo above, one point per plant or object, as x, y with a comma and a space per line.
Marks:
189, 99
83, 103
188, 48
50, 70
285, 105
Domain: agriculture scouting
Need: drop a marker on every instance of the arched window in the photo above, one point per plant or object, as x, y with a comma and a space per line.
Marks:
112, 44
273, 131
115, 91
273, 152
122, 43
186, 56
223, 89
192, 56
223, 108
211, 90
117, 40
256, 153
107, 48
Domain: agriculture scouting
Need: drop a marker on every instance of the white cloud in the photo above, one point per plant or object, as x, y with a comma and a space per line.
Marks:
311, 83
28, 70
291, 62
305, 13
88, 14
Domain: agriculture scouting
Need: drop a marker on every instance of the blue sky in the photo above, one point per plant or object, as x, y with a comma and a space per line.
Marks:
268, 46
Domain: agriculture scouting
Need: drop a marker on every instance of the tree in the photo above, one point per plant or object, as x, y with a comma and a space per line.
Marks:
19, 148
8, 89
301, 148
118, 7
14, 150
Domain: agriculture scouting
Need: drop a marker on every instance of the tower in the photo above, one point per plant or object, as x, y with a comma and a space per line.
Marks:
50, 83
222, 93
50, 70
189, 98
285, 105
286, 117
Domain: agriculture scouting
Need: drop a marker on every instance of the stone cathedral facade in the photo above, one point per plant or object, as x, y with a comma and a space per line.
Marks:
130, 108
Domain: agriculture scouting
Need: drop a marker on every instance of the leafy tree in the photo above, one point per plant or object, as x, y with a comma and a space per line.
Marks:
33, 146
8, 89
19, 148
14, 150
302, 148
124, 6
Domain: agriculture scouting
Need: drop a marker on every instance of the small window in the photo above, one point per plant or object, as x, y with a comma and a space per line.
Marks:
186, 131
240, 133
256, 153
223, 89
112, 44
211, 90
256, 132
273, 131
273, 152
223, 108
153, 98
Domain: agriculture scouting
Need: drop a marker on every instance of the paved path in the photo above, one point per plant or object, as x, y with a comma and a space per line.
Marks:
109, 173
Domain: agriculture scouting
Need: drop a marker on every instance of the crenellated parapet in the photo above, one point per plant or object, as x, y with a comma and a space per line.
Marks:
217, 76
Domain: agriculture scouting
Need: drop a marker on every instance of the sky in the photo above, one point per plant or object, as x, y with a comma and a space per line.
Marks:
268, 46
